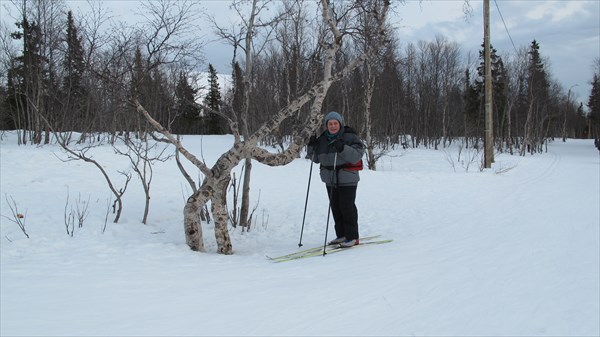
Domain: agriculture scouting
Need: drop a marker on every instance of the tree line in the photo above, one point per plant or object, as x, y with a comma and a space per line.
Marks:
78, 77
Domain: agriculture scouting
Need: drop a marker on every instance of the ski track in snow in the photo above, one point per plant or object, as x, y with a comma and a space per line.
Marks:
474, 253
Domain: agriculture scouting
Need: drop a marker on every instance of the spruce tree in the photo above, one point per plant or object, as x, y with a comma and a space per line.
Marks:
498, 78
7, 99
594, 106
538, 119
73, 89
187, 111
213, 100
476, 93
74, 63
473, 114
28, 77
538, 79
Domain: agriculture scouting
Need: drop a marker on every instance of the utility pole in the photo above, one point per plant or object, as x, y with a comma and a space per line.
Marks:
489, 125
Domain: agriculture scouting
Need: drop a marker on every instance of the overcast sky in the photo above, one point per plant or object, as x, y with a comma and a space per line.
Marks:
568, 31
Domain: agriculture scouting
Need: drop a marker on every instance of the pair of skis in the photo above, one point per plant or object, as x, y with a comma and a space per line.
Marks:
329, 249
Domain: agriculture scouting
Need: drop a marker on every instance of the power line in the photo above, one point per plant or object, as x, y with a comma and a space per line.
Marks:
505, 27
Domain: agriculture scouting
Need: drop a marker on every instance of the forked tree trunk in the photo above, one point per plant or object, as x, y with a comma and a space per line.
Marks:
221, 216
192, 222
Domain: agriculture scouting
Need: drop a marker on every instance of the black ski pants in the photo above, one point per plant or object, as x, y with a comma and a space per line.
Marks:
343, 208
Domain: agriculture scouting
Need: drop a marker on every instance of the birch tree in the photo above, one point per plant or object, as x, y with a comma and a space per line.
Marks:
217, 177
369, 33
245, 39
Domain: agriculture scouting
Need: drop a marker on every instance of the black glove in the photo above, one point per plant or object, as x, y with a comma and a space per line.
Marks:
338, 145
312, 142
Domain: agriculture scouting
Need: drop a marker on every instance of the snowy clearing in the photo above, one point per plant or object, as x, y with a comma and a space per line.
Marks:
512, 250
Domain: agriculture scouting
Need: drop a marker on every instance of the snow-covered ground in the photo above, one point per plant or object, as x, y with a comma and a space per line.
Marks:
512, 250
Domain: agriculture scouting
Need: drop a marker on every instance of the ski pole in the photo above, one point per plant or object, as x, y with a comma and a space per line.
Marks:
329, 210
306, 201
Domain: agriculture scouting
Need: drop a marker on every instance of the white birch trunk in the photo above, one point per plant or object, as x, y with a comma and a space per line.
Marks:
244, 116
221, 216
371, 158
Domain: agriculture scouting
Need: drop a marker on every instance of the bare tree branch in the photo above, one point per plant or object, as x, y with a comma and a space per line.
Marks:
173, 140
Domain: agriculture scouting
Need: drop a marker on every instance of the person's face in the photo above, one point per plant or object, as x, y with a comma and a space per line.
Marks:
333, 126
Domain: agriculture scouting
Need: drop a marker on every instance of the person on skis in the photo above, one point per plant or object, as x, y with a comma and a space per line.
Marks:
339, 150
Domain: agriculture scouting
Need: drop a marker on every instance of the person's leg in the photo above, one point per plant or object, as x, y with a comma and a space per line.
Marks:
336, 211
346, 200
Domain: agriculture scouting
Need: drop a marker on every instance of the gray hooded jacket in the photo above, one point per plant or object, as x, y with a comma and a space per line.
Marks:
335, 170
